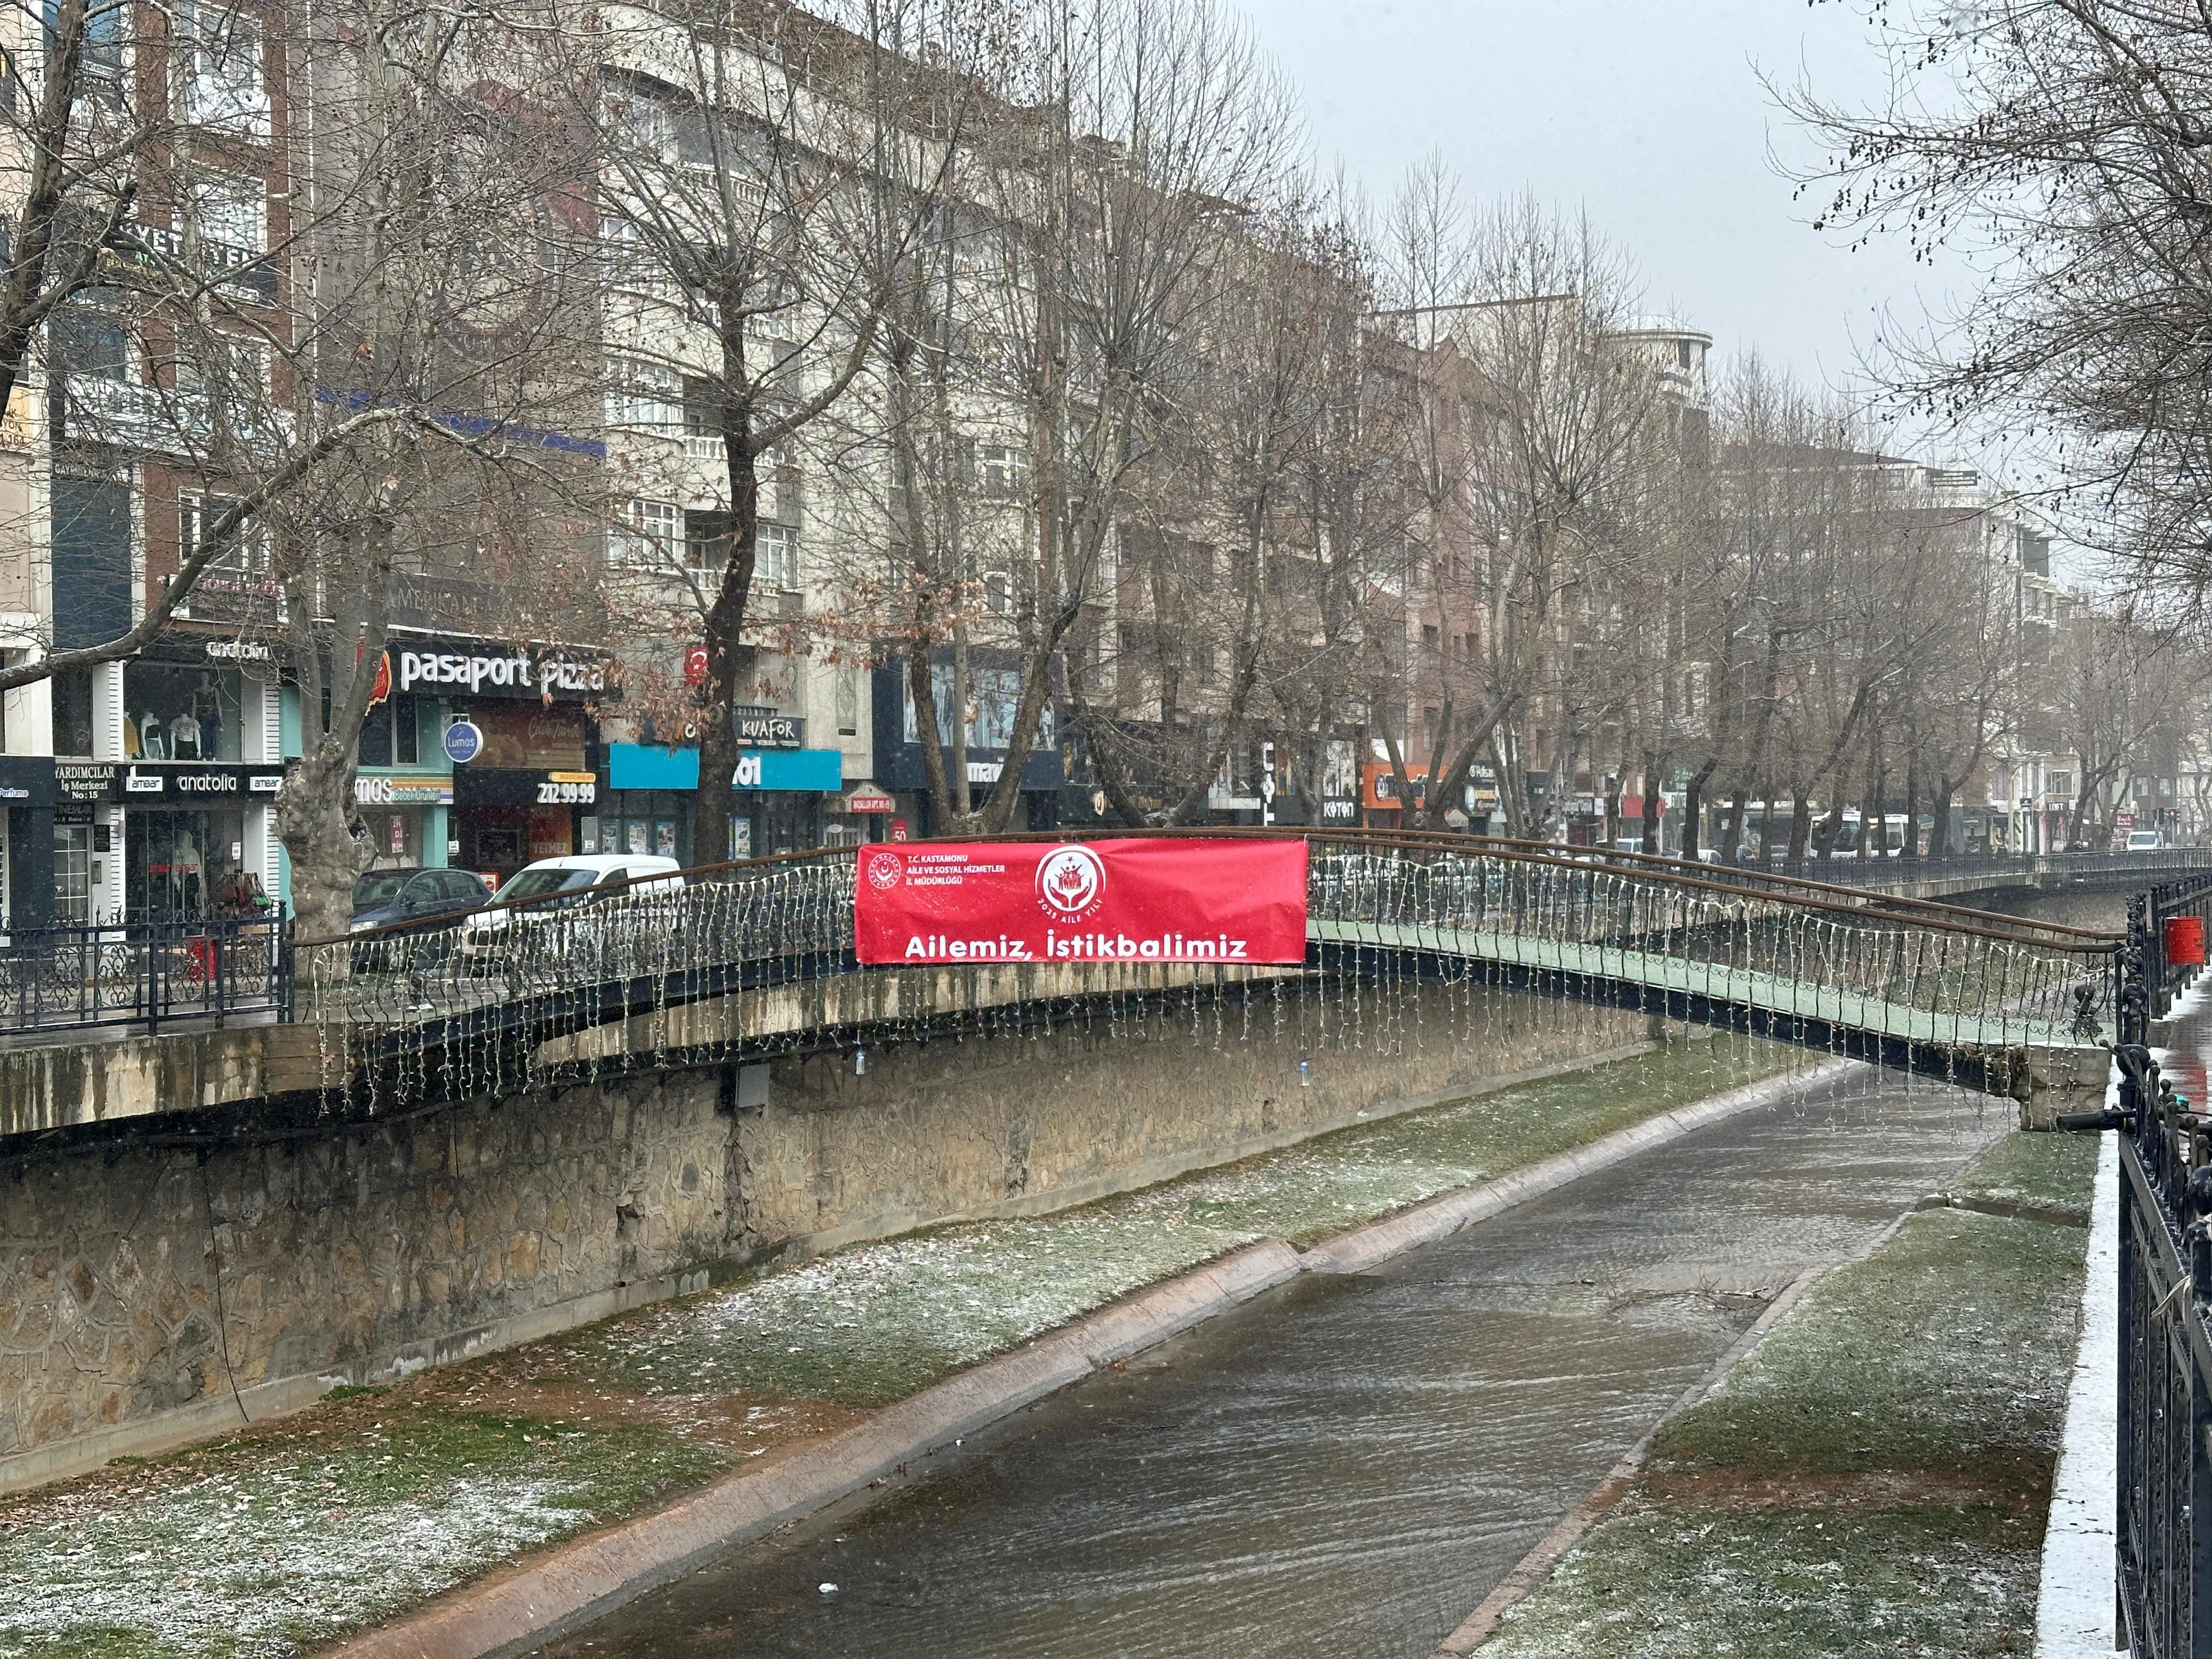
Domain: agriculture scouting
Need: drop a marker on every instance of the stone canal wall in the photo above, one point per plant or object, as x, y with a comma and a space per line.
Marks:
160, 1282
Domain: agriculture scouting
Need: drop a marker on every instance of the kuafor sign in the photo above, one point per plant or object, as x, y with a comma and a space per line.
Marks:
1100, 901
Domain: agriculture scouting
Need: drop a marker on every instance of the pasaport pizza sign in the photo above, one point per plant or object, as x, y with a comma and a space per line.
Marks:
1101, 900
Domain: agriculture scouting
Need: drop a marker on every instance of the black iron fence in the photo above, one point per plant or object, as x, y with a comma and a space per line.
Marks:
142, 974
2163, 1556
1850, 870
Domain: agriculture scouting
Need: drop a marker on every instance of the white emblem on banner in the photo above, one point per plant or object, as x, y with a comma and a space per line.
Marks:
1070, 881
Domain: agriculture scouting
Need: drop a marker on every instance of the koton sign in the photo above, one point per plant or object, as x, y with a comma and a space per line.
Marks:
1101, 900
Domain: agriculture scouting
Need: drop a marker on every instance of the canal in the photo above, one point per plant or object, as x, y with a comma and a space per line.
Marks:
1345, 1466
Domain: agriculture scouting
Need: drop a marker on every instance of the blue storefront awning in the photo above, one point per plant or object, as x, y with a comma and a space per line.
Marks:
634, 766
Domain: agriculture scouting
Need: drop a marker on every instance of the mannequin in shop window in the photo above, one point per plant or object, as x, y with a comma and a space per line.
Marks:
207, 712
184, 738
152, 736
186, 888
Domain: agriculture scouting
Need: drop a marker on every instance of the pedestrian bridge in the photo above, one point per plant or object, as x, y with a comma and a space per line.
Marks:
752, 960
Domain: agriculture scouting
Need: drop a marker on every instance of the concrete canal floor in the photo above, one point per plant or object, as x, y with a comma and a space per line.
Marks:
1345, 1466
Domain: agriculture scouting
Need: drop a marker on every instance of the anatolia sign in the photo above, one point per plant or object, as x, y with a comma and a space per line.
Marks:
1101, 900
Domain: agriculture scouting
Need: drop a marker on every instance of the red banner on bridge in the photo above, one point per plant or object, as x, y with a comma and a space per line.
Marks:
1100, 901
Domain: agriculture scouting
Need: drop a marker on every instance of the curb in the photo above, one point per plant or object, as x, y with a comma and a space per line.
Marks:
2074, 1604
531, 1602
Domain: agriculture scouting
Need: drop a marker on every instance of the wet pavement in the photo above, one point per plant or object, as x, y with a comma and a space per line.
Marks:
1345, 1466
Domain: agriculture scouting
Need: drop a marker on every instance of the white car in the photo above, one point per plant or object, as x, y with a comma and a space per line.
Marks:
561, 885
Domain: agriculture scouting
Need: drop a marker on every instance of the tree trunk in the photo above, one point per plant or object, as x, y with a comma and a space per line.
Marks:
1732, 837
1800, 824
1651, 802
1939, 837
1911, 848
1693, 805
727, 660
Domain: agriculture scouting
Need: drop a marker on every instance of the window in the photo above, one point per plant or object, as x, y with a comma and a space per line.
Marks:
229, 369
703, 432
90, 341
2060, 783
241, 583
390, 734
219, 64
103, 40
1002, 470
645, 532
647, 127
645, 395
632, 262
231, 212
778, 562
998, 594
848, 703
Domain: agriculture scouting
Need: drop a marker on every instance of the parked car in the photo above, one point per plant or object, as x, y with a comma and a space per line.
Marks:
384, 899
2145, 841
558, 885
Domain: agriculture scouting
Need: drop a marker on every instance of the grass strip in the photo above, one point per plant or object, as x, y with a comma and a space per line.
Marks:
1872, 1479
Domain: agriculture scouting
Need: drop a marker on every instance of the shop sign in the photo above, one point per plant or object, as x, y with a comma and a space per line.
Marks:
767, 729
812, 771
143, 782
488, 668
508, 786
239, 651
463, 742
869, 801
531, 737
568, 789
370, 791
1109, 901
1340, 812
898, 831
85, 780
27, 780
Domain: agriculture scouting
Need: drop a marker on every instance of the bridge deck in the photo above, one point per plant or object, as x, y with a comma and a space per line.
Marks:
1715, 983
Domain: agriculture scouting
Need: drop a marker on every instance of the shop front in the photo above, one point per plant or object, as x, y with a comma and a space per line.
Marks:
406, 816
504, 817
522, 781
26, 840
995, 693
176, 840
781, 795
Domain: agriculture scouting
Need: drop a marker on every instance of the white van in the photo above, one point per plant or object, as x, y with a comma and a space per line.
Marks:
563, 884
2145, 841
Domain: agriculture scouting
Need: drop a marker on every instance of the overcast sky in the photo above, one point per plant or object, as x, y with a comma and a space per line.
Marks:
1647, 114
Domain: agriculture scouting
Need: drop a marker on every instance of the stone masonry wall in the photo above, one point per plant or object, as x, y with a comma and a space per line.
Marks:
931, 1131
148, 1290
373, 1248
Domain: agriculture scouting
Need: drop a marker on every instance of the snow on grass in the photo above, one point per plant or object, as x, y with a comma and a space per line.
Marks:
2054, 1171
1871, 1480
262, 1549
1949, 1348
873, 1324
1902, 1583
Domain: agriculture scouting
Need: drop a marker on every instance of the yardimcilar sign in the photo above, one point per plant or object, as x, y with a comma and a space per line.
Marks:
1101, 900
